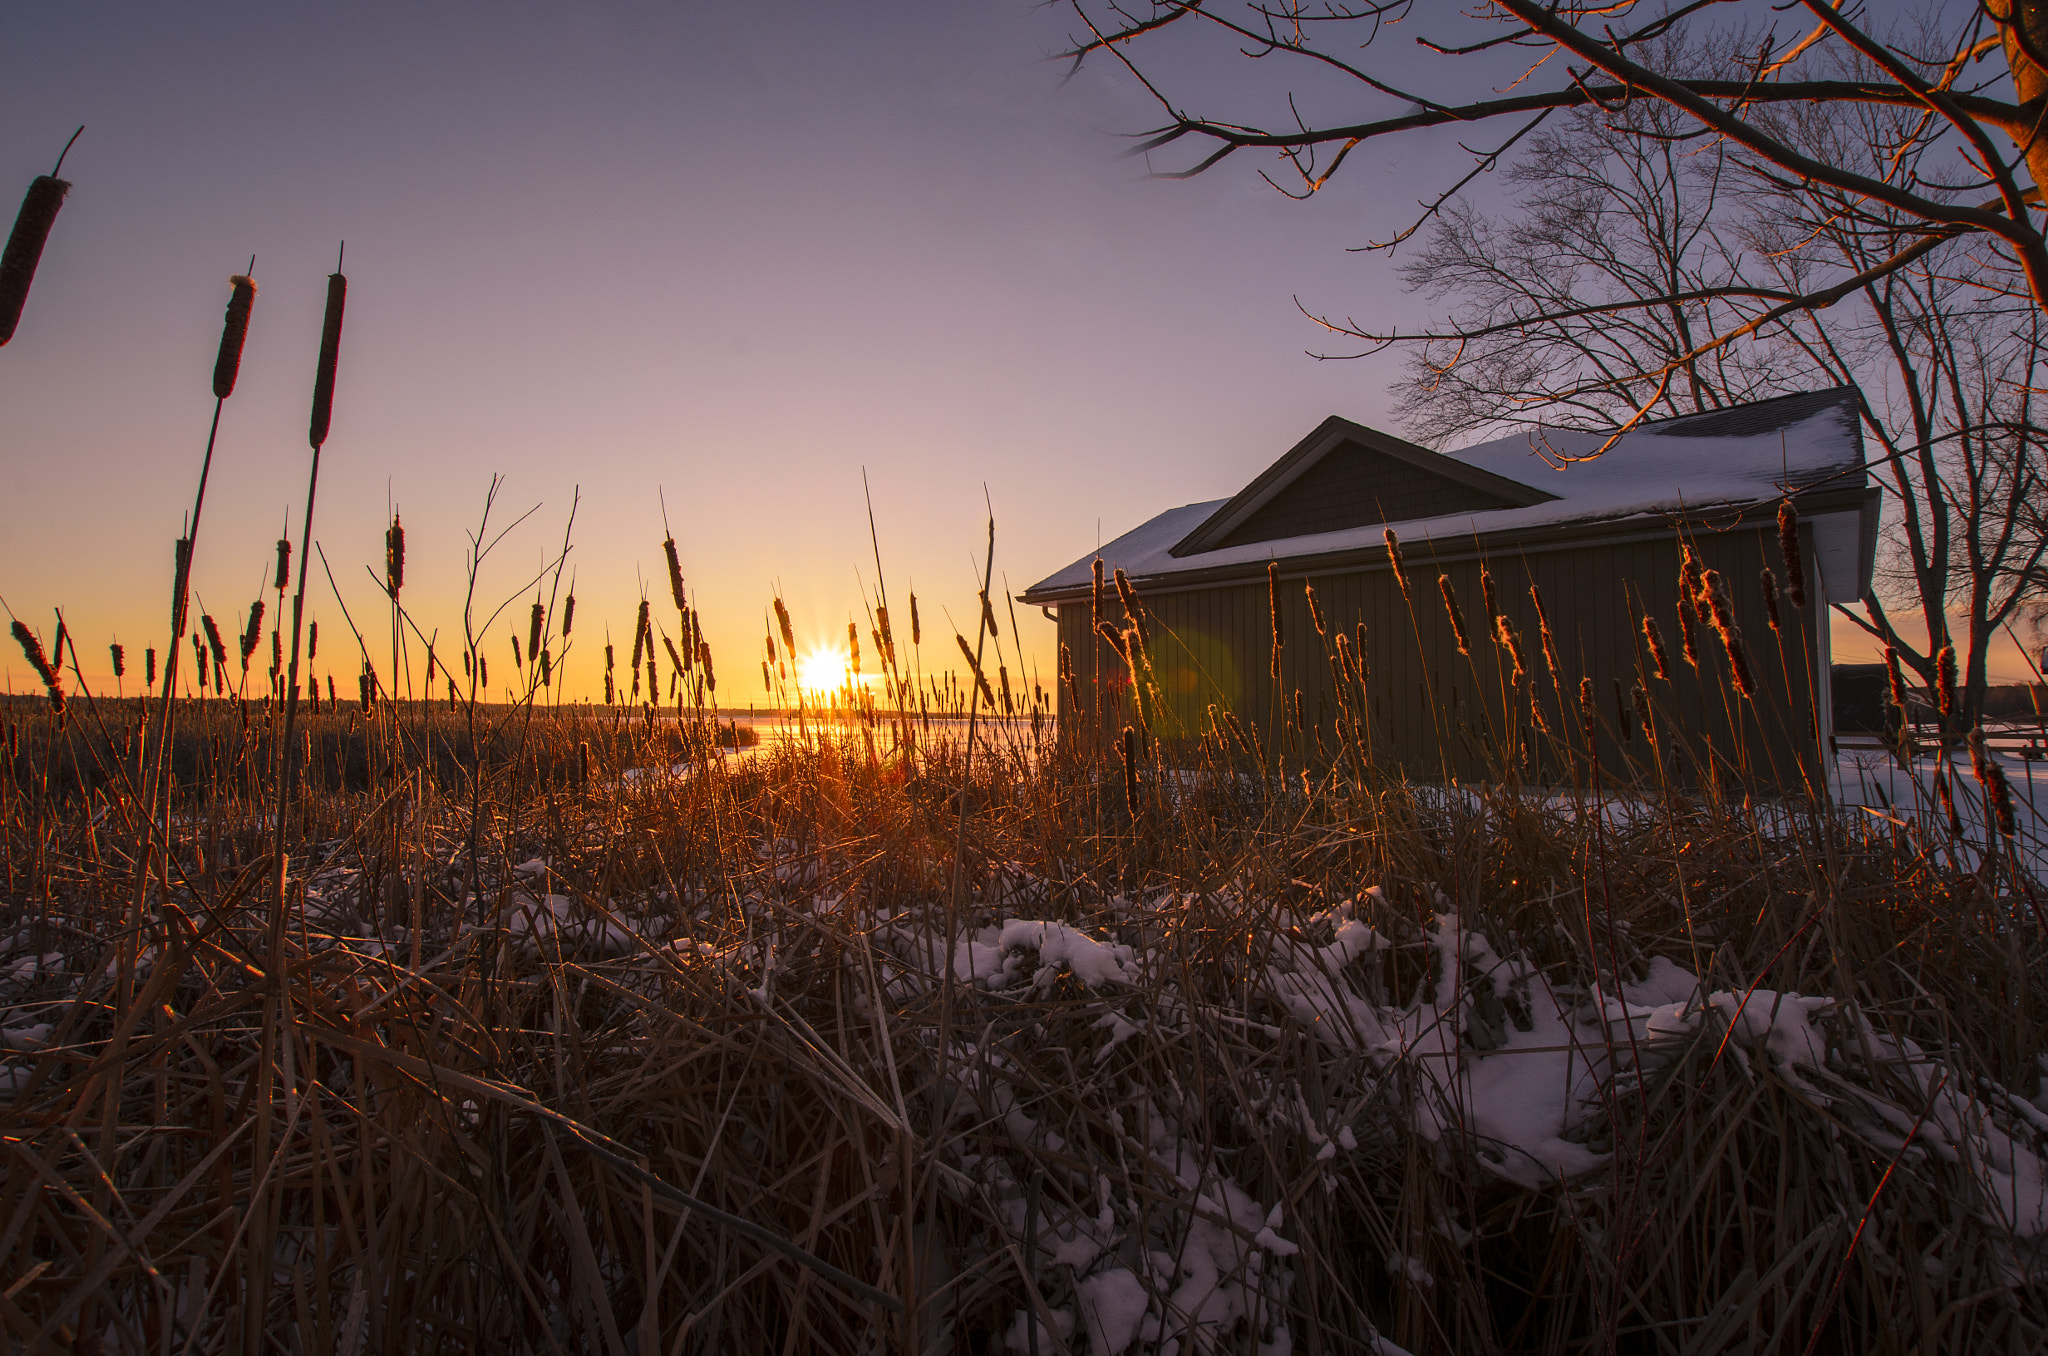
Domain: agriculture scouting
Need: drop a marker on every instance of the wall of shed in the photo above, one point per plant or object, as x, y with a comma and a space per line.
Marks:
1430, 713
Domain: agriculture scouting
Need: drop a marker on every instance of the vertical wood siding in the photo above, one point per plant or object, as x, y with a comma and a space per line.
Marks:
1434, 714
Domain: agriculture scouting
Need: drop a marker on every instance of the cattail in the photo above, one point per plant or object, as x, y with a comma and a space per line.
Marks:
640, 632
1511, 641
120, 660
1770, 585
312, 641
32, 646
1549, 640
1788, 545
1003, 673
888, 638
199, 658
766, 684
1095, 595
330, 356
1946, 798
1945, 684
394, 557
233, 331
653, 677
916, 631
1624, 714
1691, 582
1687, 643
277, 652
1443, 586
536, 622
518, 659
675, 660
213, 640
363, 694
1589, 711
1315, 610
284, 563
1128, 746
1896, 678
1991, 777
1714, 594
980, 680
675, 573
252, 637
25, 246
545, 667
988, 612
330, 689
58, 649
1394, 558
568, 615
789, 635
149, 667
1486, 595
853, 645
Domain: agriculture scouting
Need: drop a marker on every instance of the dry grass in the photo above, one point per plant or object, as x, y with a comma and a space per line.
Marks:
561, 1059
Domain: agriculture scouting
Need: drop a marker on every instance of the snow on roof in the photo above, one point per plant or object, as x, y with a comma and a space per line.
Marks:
1741, 455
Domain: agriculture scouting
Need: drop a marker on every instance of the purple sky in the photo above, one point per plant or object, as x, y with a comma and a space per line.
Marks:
731, 253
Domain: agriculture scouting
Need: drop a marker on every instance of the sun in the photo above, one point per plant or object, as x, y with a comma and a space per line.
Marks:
823, 671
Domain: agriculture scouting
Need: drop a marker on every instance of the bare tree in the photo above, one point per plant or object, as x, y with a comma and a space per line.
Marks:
1975, 155
1632, 235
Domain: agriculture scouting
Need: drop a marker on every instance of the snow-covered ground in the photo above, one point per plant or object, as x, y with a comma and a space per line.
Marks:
1872, 781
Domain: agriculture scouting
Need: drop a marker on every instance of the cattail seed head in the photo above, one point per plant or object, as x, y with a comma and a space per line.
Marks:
1788, 546
25, 247
330, 357
1896, 678
980, 680
32, 648
1691, 582
1486, 595
568, 615
1544, 632
394, 557
120, 659
1688, 644
1770, 586
1945, 683
1624, 714
233, 331
1511, 641
149, 667
1315, 610
1394, 558
675, 573
213, 640
704, 658
1654, 639
284, 564
277, 653
653, 675
853, 646
546, 668
1443, 586
252, 637
1095, 594
1589, 711
641, 629
312, 641
988, 612
916, 631
536, 622
789, 634
675, 660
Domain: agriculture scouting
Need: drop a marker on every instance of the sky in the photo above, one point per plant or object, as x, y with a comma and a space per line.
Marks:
720, 259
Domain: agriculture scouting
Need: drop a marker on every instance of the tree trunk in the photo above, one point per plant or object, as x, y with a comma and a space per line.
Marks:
2024, 26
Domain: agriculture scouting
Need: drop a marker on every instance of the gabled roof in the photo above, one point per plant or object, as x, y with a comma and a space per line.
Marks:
1657, 473
1347, 475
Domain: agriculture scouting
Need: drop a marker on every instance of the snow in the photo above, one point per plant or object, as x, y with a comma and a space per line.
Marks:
1652, 473
1871, 781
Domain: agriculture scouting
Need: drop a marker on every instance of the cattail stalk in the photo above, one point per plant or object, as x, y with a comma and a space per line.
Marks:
1128, 747
1273, 613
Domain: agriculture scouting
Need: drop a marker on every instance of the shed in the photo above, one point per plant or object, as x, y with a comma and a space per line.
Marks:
1596, 542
